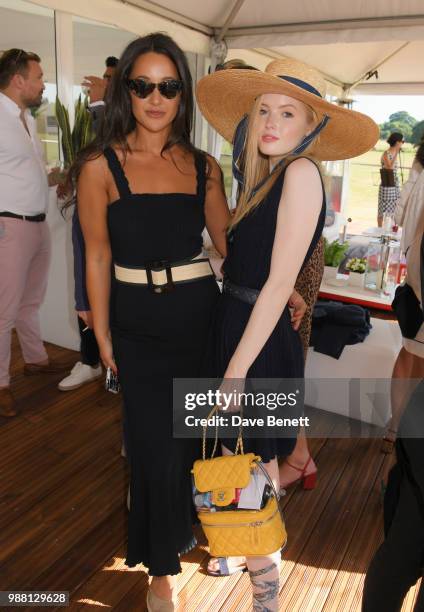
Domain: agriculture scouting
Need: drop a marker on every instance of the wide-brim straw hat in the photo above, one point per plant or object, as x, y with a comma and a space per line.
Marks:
224, 97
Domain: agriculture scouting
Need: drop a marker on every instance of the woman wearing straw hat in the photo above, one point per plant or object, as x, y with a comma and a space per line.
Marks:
278, 114
299, 466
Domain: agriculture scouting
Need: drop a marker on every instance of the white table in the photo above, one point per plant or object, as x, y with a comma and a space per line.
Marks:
354, 295
372, 361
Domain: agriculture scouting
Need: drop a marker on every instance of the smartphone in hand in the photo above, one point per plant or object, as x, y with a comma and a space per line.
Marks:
112, 381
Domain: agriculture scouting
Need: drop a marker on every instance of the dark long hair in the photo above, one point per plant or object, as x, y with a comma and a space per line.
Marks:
119, 121
394, 138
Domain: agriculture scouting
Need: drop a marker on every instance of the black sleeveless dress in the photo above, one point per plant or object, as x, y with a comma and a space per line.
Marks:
248, 264
157, 337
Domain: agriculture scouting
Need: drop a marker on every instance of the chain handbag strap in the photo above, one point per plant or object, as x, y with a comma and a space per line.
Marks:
271, 484
239, 445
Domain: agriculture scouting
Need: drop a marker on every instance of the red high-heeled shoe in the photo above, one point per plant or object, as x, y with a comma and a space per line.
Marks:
309, 481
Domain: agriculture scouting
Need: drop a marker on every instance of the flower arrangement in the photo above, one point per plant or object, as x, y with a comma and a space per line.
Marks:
357, 264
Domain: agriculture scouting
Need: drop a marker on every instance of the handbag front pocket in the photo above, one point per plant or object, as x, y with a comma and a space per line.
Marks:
244, 532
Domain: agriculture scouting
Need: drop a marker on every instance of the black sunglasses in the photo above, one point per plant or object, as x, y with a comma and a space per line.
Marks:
142, 88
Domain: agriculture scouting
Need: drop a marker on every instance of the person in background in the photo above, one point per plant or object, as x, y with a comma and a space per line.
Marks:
388, 195
24, 233
406, 197
89, 368
300, 466
409, 366
97, 88
399, 562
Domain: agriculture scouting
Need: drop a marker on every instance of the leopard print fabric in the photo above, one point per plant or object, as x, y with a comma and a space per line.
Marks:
308, 284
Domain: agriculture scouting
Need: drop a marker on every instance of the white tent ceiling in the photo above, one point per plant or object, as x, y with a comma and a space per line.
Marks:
345, 39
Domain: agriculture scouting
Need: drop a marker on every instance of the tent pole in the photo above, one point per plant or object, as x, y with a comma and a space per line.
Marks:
221, 34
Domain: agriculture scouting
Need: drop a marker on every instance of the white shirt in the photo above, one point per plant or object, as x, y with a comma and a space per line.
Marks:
412, 233
23, 179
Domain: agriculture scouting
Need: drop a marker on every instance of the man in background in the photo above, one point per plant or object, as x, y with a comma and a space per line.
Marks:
89, 368
24, 233
97, 90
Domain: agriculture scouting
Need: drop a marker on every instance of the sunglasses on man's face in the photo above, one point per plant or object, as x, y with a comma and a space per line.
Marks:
142, 88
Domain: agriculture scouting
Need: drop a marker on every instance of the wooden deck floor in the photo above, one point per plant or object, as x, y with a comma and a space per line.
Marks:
62, 512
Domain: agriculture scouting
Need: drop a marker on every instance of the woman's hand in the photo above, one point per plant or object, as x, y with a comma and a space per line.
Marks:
106, 353
216, 263
298, 308
231, 386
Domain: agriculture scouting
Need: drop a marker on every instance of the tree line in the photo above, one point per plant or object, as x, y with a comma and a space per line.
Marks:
402, 121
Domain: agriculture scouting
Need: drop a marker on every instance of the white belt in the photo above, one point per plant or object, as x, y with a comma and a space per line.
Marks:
161, 277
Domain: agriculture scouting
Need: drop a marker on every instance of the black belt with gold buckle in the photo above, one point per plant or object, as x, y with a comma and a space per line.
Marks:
35, 218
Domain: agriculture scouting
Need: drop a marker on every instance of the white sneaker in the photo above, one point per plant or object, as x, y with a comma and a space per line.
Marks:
80, 374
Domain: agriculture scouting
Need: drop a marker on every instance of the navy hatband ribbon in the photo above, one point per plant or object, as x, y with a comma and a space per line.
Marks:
303, 84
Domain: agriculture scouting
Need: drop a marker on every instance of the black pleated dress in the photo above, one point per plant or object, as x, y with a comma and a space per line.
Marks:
157, 337
248, 264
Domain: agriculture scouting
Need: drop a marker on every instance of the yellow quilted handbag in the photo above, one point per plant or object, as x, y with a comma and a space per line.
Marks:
236, 531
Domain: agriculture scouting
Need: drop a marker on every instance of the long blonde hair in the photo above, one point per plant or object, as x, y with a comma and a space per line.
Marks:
255, 166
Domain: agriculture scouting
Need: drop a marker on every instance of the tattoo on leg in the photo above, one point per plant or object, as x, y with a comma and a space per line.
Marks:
260, 607
268, 589
261, 572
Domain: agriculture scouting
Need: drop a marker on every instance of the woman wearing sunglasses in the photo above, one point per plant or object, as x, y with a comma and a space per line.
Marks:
145, 195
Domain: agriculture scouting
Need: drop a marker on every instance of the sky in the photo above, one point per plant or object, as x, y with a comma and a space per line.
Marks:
380, 108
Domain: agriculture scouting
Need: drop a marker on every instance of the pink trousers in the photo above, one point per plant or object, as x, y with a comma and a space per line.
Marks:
24, 264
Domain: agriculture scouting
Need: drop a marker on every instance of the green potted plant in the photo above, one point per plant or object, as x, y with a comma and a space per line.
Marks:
334, 253
357, 267
74, 140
